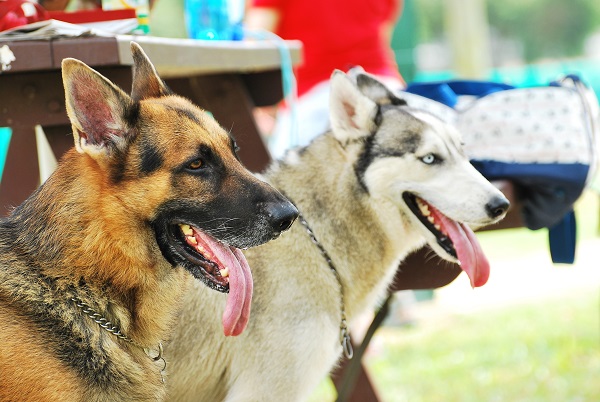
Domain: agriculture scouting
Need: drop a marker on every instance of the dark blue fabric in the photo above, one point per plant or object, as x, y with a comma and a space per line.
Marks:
547, 191
563, 239
575, 172
447, 92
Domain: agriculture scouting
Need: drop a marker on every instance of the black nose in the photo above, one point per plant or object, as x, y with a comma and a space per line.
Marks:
281, 215
497, 206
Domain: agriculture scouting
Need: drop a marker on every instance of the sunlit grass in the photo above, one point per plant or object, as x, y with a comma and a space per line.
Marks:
544, 351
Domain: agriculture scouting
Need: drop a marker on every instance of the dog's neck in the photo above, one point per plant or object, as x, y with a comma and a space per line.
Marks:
336, 206
77, 241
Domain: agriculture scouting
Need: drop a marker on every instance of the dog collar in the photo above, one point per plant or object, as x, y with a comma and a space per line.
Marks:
116, 331
345, 340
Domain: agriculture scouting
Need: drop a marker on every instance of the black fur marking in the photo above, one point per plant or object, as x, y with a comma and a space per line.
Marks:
212, 159
367, 156
364, 160
408, 145
378, 118
151, 159
407, 141
132, 114
188, 113
117, 171
398, 101
379, 93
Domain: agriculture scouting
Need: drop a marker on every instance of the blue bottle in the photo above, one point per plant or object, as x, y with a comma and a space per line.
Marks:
209, 20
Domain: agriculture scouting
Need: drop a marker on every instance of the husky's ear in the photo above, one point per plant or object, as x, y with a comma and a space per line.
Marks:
146, 82
351, 113
375, 90
354, 72
100, 112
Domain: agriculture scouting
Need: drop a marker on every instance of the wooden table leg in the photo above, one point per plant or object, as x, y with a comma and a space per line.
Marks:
21, 172
350, 378
362, 390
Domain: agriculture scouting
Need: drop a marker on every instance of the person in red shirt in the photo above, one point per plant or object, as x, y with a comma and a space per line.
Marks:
336, 34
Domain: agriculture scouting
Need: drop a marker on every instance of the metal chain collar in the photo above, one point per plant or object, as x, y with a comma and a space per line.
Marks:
345, 340
113, 329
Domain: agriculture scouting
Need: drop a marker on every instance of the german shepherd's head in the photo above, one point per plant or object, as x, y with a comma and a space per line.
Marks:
177, 173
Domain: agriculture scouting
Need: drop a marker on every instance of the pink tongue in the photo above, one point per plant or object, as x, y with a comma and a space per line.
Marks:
239, 300
471, 257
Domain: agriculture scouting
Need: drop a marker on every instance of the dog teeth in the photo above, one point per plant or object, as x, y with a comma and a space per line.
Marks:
224, 272
191, 240
423, 208
186, 229
438, 227
204, 252
430, 219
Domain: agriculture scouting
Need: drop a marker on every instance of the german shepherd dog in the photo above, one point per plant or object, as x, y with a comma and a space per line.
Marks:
383, 182
94, 264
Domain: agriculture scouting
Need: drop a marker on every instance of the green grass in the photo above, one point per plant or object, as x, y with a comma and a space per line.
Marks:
546, 350
540, 352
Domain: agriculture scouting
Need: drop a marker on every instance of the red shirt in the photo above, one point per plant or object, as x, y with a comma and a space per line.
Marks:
336, 34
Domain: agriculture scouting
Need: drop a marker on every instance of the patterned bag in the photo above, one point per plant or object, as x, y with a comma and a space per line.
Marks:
543, 139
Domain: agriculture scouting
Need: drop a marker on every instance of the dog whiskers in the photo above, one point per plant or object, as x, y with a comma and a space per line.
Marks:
430, 255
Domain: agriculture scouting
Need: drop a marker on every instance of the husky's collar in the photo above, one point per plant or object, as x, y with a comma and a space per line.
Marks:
345, 340
113, 329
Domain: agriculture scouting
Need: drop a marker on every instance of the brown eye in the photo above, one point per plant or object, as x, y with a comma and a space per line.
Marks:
197, 164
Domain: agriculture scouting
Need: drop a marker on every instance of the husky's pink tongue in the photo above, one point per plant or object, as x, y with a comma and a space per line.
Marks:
239, 299
469, 252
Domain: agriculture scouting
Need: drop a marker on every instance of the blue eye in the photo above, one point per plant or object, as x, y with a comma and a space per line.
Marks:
429, 159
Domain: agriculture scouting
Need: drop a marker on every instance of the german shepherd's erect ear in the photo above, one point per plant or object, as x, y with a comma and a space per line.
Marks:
146, 82
102, 115
100, 112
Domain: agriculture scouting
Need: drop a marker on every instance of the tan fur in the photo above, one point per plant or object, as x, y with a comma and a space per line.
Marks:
293, 338
24, 354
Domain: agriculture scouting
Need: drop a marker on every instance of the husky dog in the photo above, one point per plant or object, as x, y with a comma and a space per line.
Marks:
385, 181
94, 264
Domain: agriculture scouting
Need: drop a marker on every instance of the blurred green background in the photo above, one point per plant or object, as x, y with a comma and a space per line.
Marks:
521, 42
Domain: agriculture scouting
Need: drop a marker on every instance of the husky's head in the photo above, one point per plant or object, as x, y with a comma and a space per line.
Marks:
415, 161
